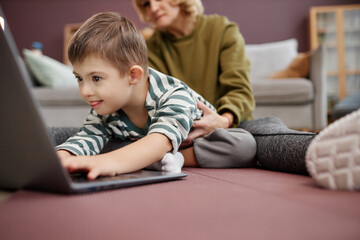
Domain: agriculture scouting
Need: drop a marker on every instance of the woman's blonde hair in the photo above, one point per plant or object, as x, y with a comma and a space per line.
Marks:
190, 7
113, 37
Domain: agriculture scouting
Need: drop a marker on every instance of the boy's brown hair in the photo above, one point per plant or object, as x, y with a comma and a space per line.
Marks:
112, 37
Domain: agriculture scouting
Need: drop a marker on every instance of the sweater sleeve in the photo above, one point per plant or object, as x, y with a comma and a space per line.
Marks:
235, 88
90, 139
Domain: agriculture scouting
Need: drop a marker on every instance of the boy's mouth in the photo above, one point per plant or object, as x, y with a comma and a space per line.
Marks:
94, 104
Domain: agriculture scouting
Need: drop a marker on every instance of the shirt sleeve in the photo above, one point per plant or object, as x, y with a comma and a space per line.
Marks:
235, 87
90, 139
174, 116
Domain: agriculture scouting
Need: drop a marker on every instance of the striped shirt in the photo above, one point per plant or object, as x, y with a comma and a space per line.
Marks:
171, 106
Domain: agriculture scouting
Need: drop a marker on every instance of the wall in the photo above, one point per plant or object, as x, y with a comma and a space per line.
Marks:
259, 20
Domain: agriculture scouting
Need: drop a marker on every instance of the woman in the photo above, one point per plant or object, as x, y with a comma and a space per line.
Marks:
208, 54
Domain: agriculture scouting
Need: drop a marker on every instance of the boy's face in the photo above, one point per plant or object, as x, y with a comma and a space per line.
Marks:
101, 85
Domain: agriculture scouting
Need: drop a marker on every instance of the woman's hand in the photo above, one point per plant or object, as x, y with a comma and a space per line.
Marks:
208, 123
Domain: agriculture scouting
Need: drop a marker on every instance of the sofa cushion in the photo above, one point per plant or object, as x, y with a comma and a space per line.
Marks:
49, 72
268, 58
287, 91
58, 96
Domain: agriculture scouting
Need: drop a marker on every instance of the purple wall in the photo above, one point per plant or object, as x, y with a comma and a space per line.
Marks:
259, 20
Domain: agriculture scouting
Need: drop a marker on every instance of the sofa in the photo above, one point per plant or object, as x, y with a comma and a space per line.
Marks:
289, 85
300, 101
55, 89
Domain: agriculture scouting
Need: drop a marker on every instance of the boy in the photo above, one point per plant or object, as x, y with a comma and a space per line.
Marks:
128, 101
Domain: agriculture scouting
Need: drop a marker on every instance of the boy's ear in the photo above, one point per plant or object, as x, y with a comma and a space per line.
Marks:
136, 74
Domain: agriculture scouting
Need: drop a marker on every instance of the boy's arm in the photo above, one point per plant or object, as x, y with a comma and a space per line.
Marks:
90, 139
132, 157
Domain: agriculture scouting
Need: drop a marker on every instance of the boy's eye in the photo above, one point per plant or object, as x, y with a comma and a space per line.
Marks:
96, 78
79, 78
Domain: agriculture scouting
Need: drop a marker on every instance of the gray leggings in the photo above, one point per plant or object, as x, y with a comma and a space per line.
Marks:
278, 147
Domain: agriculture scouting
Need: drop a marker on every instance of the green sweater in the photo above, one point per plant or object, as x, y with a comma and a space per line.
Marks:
212, 61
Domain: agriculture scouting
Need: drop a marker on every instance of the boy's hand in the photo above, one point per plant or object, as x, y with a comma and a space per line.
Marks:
123, 160
92, 164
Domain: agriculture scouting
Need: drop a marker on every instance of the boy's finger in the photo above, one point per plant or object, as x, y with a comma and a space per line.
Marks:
77, 163
93, 174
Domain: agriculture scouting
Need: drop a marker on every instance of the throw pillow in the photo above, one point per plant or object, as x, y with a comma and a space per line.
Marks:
268, 58
49, 72
298, 68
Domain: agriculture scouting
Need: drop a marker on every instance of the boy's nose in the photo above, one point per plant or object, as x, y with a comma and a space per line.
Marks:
86, 90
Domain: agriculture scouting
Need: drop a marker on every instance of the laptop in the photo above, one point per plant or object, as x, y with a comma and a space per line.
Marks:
27, 156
